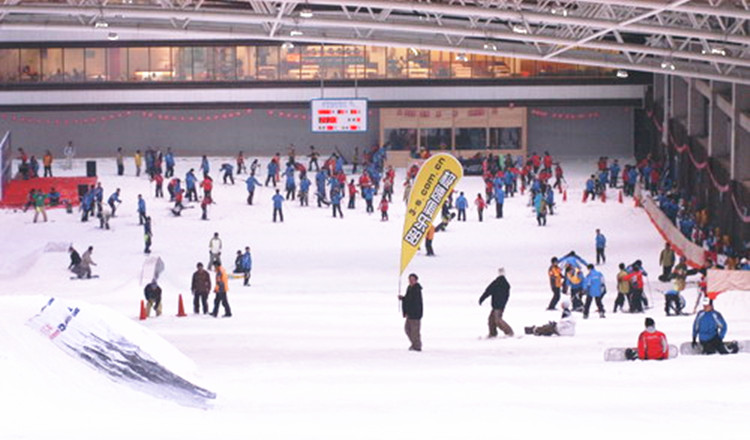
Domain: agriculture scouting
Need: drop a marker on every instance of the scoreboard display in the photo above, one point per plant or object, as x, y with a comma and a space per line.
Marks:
339, 115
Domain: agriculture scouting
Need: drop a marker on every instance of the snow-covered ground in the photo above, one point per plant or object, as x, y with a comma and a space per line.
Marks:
316, 348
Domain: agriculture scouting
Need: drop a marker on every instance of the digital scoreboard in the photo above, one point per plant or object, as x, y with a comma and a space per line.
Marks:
338, 115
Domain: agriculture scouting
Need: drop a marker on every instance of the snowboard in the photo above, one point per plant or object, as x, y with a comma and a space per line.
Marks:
686, 348
84, 278
617, 354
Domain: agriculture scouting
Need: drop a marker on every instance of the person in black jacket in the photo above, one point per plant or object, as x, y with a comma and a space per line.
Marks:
152, 292
411, 304
75, 261
499, 289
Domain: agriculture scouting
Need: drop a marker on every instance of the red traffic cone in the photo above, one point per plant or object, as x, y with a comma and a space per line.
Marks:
523, 188
604, 196
565, 195
620, 197
144, 315
637, 203
181, 308
585, 194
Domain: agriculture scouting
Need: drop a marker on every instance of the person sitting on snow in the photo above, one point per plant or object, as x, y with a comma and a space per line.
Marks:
566, 326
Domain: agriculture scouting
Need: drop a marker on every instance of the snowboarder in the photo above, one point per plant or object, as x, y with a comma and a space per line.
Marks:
710, 328
412, 307
652, 344
221, 288
499, 289
152, 292
566, 326
200, 286
84, 267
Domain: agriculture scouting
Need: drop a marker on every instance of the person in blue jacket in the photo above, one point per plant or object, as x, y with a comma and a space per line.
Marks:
247, 265
550, 198
141, 210
336, 202
169, 162
273, 169
461, 205
594, 287
228, 173
114, 198
278, 199
190, 181
291, 185
369, 193
499, 201
87, 202
205, 166
614, 173
590, 188
601, 243
304, 190
710, 328
250, 183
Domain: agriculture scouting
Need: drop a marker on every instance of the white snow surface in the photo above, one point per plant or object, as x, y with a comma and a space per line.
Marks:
316, 347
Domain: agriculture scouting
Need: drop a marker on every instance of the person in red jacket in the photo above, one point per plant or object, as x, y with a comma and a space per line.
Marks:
480, 204
383, 209
652, 344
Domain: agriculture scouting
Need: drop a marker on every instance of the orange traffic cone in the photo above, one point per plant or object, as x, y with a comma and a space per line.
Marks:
565, 195
143, 311
604, 196
620, 197
181, 308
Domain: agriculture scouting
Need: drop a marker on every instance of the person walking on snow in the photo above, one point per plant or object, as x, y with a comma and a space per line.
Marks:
555, 281
278, 200
429, 236
251, 182
147, 234
114, 198
594, 287
461, 205
499, 289
141, 209
480, 204
383, 209
412, 308
666, 261
221, 288
601, 243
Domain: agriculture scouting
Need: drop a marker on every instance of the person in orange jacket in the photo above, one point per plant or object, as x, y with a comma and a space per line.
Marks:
221, 288
429, 235
47, 162
555, 282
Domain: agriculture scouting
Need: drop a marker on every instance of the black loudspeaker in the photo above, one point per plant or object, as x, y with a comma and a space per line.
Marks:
90, 168
82, 190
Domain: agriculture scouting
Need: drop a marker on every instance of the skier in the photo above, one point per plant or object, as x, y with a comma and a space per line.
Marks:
352, 188
214, 250
141, 209
635, 276
336, 202
555, 282
39, 198
499, 289
147, 234
273, 169
594, 287
368, 194
601, 242
207, 184
221, 288
710, 328
566, 326
412, 307
278, 199
200, 286
152, 292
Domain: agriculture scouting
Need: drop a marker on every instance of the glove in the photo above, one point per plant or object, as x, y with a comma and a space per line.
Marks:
694, 344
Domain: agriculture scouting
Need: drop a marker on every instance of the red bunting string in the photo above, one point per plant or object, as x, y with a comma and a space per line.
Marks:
566, 116
685, 148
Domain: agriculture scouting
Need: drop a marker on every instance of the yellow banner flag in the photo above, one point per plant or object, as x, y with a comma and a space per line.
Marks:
435, 180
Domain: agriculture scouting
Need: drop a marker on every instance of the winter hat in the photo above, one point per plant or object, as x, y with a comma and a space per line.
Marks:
501, 271
706, 301
565, 304
650, 322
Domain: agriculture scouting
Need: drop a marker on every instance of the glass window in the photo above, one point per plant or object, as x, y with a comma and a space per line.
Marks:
440, 64
202, 64
419, 63
505, 138
332, 62
73, 64
31, 65
246, 68
480, 66
499, 67
52, 64
401, 138
160, 63
471, 138
354, 61
9, 65
268, 62
291, 63
138, 69
461, 65
311, 56
435, 138
96, 64
225, 60
117, 63
182, 63
397, 64
376, 62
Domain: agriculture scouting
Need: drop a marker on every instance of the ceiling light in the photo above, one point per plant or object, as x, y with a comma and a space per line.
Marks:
559, 11
112, 36
295, 33
622, 73
517, 28
666, 65
462, 57
414, 51
490, 46
715, 51
101, 24
306, 13
287, 45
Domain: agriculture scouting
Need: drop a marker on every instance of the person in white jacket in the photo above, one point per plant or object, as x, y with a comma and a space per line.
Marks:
566, 326
214, 251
